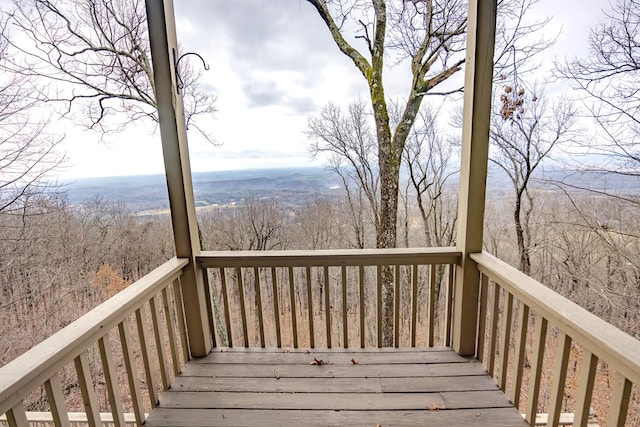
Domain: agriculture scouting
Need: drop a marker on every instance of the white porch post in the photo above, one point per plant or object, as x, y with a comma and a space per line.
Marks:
475, 150
164, 49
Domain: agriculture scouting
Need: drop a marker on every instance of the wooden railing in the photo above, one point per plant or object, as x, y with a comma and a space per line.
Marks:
122, 320
582, 341
330, 298
321, 299
76, 419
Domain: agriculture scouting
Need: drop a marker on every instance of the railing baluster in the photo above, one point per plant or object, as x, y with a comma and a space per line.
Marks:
586, 382
379, 303
310, 307
292, 304
506, 340
345, 314
208, 297
243, 309
536, 369
225, 297
327, 305
521, 345
559, 376
431, 310
111, 380
361, 295
396, 306
414, 303
16, 417
493, 331
146, 356
258, 288
89, 398
182, 329
619, 403
132, 370
175, 362
55, 396
482, 317
276, 306
157, 333
449, 308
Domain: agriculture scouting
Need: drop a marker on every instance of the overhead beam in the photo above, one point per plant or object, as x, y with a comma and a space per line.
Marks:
481, 28
162, 34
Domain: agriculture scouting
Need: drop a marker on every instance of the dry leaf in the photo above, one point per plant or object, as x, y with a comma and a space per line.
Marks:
478, 414
354, 361
276, 374
317, 362
436, 407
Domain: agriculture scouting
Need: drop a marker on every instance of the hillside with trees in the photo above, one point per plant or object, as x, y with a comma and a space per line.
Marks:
395, 160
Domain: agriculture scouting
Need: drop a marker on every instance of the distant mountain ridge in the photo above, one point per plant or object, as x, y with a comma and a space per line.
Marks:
294, 186
147, 192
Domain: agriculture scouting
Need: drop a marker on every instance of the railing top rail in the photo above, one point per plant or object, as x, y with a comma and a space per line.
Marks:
330, 257
31, 369
618, 349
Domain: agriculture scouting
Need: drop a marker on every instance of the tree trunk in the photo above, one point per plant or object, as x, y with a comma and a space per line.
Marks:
523, 249
386, 233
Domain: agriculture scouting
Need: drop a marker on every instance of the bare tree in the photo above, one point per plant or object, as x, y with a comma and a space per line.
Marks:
27, 153
317, 224
608, 77
349, 142
427, 156
429, 36
95, 55
525, 129
255, 224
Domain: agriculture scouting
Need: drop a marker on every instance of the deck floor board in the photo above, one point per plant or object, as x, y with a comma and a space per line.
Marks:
242, 387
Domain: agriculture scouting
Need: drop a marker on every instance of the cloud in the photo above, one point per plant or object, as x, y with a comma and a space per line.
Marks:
272, 35
257, 36
268, 93
246, 154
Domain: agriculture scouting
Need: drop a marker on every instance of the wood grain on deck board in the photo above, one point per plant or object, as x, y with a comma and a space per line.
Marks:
337, 385
249, 387
335, 358
494, 417
330, 371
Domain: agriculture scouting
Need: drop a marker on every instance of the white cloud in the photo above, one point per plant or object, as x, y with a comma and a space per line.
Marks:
273, 64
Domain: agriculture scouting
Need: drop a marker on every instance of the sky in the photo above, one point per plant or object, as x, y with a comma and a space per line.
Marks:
273, 64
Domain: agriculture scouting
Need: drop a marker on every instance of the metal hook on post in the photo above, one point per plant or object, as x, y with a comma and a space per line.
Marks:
179, 82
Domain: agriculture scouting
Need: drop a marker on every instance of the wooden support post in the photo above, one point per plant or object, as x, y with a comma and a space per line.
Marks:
164, 52
475, 150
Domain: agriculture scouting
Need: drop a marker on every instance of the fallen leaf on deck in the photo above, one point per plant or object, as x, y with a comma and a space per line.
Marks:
436, 407
478, 414
276, 374
354, 361
317, 362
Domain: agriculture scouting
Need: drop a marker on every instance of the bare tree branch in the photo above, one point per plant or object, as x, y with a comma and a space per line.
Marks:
608, 77
525, 129
95, 58
27, 153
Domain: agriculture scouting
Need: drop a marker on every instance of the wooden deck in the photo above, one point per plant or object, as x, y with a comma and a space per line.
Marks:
370, 387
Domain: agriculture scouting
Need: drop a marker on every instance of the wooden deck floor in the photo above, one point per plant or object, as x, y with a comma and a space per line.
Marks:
254, 387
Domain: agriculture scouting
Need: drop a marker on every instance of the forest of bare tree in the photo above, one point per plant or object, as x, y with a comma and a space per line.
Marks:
396, 160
